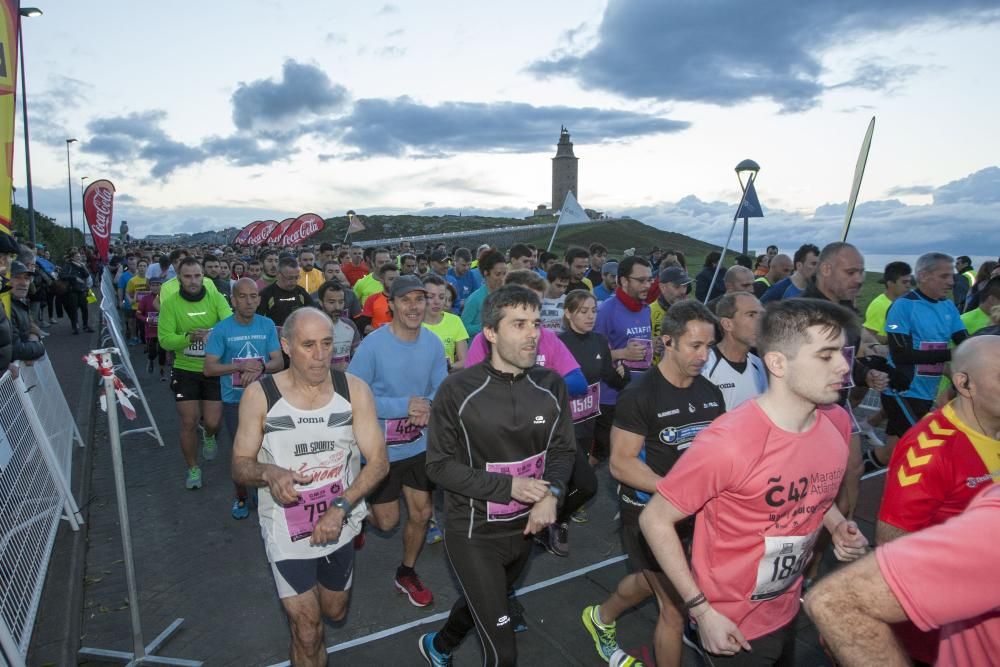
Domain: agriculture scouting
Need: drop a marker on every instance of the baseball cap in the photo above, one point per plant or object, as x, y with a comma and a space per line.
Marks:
404, 285
17, 268
8, 246
610, 267
439, 256
675, 275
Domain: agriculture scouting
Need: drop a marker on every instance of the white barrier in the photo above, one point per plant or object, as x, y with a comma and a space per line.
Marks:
114, 327
53, 411
34, 495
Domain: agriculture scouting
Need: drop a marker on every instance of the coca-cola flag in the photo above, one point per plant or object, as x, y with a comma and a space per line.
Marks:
245, 233
98, 206
274, 237
305, 226
261, 232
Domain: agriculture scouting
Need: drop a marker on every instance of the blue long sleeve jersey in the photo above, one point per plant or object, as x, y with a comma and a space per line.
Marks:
397, 370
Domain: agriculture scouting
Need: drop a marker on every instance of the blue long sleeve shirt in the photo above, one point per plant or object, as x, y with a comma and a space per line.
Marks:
397, 370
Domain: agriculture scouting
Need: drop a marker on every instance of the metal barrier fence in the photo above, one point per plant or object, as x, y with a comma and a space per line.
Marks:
53, 412
34, 495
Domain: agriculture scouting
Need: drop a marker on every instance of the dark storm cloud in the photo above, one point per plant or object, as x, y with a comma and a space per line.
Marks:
377, 127
729, 53
303, 90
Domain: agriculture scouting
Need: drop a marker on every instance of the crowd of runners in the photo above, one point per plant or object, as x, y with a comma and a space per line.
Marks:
489, 384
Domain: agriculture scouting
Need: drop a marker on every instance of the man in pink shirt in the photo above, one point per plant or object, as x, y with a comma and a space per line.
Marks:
761, 481
940, 577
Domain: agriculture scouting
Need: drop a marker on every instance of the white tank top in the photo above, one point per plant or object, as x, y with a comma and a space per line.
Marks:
317, 442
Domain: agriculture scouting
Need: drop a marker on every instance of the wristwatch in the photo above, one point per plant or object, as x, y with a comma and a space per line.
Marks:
343, 504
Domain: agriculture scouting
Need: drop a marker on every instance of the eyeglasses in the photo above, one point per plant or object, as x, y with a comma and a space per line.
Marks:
642, 281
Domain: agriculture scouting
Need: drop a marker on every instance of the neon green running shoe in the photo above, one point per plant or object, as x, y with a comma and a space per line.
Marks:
193, 478
209, 447
605, 636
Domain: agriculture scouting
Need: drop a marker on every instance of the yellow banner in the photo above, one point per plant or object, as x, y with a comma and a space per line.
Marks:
8, 87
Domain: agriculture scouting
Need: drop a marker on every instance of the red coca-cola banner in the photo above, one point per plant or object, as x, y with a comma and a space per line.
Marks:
274, 237
245, 233
305, 226
98, 207
261, 232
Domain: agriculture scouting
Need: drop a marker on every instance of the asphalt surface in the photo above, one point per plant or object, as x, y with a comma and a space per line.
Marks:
195, 562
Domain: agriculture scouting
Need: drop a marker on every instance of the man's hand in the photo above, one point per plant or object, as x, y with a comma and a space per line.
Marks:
719, 635
877, 380
281, 484
620, 369
419, 411
848, 541
542, 515
327, 529
527, 490
635, 351
196, 335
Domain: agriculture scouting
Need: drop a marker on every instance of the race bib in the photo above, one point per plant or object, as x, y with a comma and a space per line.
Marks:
533, 467
401, 432
140, 295
153, 318
340, 359
238, 374
303, 516
588, 405
932, 370
784, 559
195, 349
848, 380
647, 359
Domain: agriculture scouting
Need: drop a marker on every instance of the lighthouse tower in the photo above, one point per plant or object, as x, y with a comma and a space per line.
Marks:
564, 170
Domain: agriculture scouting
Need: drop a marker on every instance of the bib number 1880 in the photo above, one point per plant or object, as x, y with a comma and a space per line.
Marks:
784, 559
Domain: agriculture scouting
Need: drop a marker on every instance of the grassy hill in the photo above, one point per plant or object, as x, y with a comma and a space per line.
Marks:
388, 226
620, 235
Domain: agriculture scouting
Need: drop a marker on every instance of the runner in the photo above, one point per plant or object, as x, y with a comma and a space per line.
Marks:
465, 280
333, 270
356, 268
446, 326
778, 269
504, 477
921, 325
624, 320
370, 284
605, 289
898, 280
762, 481
673, 285
919, 577
404, 363
591, 351
310, 278
493, 269
944, 461
598, 257
148, 316
657, 418
805, 260
240, 349
558, 279
284, 296
704, 278
737, 279
578, 263
346, 336
309, 418
269, 268
739, 374
979, 317
376, 312
185, 321
521, 257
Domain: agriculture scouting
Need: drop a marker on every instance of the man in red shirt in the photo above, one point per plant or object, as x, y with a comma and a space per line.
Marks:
944, 461
355, 269
943, 578
761, 481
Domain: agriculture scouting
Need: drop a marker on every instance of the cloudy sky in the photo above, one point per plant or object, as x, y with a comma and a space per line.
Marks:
238, 111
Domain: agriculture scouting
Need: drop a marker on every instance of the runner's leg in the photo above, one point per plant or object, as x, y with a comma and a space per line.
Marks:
670, 623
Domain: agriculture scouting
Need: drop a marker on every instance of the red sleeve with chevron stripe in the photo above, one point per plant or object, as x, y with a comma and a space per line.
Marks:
937, 468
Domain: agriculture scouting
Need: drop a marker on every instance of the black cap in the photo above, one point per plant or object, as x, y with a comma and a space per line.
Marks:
675, 275
404, 285
439, 256
17, 268
8, 245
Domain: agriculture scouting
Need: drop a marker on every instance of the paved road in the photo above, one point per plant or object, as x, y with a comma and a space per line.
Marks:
195, 562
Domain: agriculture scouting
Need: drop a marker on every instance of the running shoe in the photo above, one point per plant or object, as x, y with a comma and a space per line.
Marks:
193, 478
209, 447
149, 366
605, 636
868, 431
622, 659
410, 584
434, 534
692, 640
558, 544
241, 509
433, 657
579, 516
516, 612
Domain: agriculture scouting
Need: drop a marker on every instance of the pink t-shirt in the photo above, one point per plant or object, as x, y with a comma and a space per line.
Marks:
760, 494
552, 353
945, 577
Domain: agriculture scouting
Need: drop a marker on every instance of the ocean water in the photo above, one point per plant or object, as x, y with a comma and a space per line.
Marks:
876, 263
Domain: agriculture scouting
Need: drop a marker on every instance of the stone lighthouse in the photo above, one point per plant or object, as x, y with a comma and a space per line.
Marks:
564, 170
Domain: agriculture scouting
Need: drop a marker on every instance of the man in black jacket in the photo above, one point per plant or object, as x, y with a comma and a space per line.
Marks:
26, 337
501, 445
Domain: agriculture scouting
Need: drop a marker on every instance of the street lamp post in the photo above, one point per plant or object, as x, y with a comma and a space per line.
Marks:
69, 187
28, 12
750, 168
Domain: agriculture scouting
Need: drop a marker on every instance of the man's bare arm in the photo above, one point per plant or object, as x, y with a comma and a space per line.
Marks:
852, 608
886, 532
626, 467
371, 441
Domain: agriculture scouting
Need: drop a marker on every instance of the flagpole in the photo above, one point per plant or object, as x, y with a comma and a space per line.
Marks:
732, 229
859, 172
553, 239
